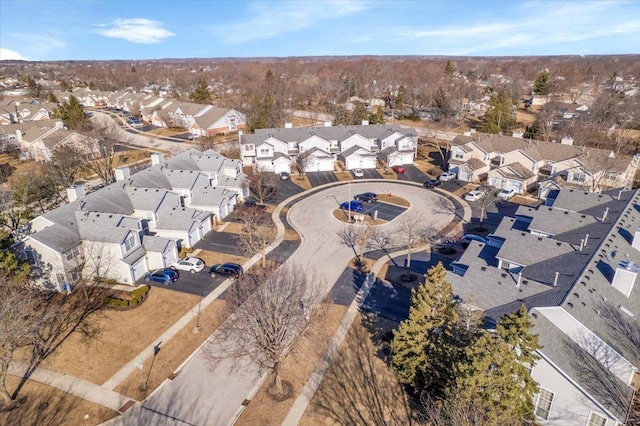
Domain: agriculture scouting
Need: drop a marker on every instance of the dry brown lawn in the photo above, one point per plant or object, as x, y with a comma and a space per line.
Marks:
174, 352
121, 336
297, 367
291, 235
213, 257
427, 167
386, 174
525, 117
166, 132
301, 181
393, 199
466, 188
343, 176
45, 405
234, 227
524, 200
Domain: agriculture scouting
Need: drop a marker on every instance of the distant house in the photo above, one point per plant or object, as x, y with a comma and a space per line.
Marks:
507, 162
356, 146
136, 224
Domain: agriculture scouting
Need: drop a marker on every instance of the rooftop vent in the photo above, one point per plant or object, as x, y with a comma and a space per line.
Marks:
156, 158
122, 173
625, 277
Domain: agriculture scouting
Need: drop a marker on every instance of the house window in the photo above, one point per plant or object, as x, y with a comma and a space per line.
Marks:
596, 419
543, 404
579, 177
505, 265
264, 151
130, 243
611, 175
73, 253
232, 123
248, 148
459, 155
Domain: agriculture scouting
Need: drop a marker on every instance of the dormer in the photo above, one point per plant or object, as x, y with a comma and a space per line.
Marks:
130, 243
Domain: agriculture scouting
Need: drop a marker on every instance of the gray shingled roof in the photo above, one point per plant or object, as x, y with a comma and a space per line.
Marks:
100, 227
147, 199
554, 221
155, 244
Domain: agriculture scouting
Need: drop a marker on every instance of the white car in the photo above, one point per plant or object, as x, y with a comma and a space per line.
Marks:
505, 194
191, 264
473, 195
447, 176
358, 173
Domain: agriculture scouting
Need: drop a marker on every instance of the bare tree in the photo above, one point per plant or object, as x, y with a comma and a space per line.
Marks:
258, 231
272, 309
65, 165
263, 184
490, 197
357, 237
413, 229
105, 138
303, 160
358, 389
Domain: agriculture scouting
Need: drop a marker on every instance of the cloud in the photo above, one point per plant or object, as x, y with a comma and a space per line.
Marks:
137, 30
275, 18
8, 54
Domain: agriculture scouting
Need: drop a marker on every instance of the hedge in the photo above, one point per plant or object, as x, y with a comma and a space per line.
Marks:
137, 296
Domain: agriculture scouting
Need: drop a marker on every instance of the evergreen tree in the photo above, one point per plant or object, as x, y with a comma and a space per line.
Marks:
200, 94
540, 86
377, 117
424, 348
449, 69
72, 114
485, 380
500, 116
52, 98
262, 113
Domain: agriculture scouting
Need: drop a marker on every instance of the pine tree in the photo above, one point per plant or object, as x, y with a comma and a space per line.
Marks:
500, 116
541, 84
424, 347
200, 94
485, 380
448, 69
72, 114
52, 98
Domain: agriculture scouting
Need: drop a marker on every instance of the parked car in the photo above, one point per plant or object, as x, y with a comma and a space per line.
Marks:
505, 194
353, 205
398, 169
447, 176
473, 195
468, 238
358, 173
191, 264
432, 183
229, 269
284, 175
367, 197
164, 276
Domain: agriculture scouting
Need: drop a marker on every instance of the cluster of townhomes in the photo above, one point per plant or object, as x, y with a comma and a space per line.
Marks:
574, 263
14, 111
198, 119
512, 162
321, 147
136, 224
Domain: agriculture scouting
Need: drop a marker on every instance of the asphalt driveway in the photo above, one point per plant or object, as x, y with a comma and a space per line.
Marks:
320, 178
200, 283
284, 190
222, 242
386, 211
412, 173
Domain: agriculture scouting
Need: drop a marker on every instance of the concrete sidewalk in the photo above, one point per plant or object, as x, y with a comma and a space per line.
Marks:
78, 387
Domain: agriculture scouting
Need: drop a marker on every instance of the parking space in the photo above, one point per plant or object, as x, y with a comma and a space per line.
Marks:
200, 284
412, 173
386, 211
452, 185
370, 174
223, 242
320, 178
285, 190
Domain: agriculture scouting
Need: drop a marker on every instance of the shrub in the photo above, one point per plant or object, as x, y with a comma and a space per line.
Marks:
133, 302
113, 302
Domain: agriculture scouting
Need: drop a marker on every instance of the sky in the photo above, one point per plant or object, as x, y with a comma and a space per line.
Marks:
102, 29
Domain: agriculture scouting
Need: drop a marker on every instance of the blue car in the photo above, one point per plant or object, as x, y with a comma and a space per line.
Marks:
353, 205
164, 276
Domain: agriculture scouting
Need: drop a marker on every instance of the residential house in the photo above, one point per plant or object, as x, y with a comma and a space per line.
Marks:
320, 147
18, 112
574, 264
41, 138
511, 162
136, 224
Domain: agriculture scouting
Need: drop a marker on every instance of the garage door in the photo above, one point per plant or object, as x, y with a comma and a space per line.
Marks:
515, 185
138, 269
464, 175
281, 167
368, 163
497, 182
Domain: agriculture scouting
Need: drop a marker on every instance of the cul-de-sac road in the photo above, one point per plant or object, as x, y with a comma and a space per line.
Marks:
204, 394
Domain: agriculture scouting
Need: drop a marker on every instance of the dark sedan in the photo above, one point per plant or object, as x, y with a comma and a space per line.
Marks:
164, 276
432, 183
230, 269
367, 197
354, 206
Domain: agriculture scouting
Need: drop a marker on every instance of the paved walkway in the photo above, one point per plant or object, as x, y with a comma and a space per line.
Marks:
78, 387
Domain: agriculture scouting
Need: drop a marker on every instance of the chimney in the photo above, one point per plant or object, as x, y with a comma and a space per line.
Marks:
288, 125
606, 212
566, 140
620, 194
75, 191
625, 277
636, 239
467, 133
122, 173
19, 135
518, 134
327, 124
555, 280
59, 125
365, 122
519, 279
156, 158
